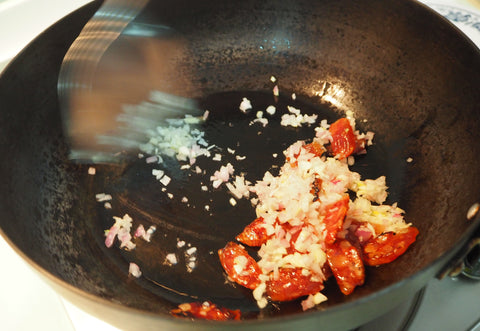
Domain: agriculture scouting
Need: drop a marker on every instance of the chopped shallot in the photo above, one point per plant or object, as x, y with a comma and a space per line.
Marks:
239, 188
140, 232
110, 235
313, 300
275, 91
297, 120
145, 235
121, 230
222, 175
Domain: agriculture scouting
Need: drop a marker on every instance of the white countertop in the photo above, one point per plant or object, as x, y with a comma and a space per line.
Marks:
27, 303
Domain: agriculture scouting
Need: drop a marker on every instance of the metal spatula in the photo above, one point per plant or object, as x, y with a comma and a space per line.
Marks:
118, 80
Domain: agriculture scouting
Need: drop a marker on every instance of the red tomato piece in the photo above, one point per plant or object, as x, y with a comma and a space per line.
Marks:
346, 265
291, 284
386, 247
240, 266
334, 216
205, 310
254, 234
344, 142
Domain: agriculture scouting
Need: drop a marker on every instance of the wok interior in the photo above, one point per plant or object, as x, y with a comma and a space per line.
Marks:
397, 66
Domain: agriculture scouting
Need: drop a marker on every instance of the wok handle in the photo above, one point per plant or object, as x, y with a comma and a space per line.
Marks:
467, 262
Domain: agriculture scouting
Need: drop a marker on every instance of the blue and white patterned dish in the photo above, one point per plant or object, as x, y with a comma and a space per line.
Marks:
465, 19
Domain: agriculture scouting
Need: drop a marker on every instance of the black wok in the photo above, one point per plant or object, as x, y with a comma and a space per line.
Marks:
412, 76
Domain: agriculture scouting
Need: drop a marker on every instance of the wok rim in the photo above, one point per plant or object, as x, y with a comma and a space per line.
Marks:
434, 267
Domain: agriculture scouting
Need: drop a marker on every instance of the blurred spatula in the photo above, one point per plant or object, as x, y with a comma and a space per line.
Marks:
118, 80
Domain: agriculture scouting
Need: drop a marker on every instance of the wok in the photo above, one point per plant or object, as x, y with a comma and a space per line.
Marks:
409, 74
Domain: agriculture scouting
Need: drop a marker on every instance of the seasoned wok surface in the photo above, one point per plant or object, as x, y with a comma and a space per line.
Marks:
412, 79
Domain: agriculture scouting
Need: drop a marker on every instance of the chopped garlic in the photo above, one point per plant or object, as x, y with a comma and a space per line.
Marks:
165, 180
158, 173
293, 110
134, 270
271, 110
151, 159
191, 266
205, 115
171, 258
245, 105
262, 121
101, 197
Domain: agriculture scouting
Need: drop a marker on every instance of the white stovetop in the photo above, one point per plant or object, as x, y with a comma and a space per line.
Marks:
27, 303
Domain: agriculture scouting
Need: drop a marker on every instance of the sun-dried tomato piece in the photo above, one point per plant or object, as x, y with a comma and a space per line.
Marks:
346, 265
343, 138
334, 216
239, 266
386, 247
205, 310
254, 234
315, 148
290, 284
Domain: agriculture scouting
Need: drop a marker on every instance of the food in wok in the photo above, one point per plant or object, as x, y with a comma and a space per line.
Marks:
315, 218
